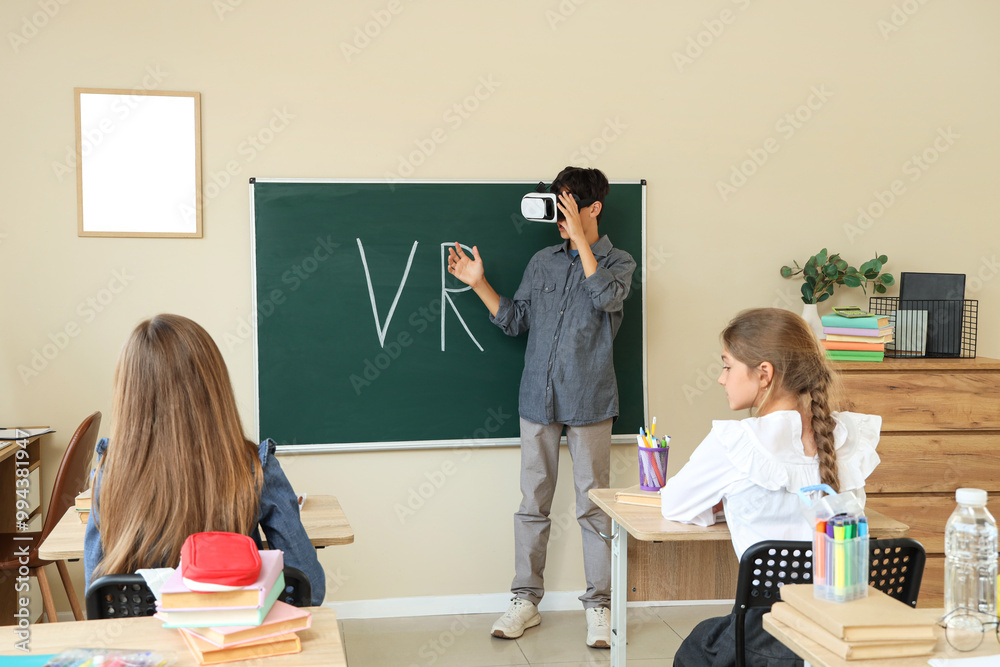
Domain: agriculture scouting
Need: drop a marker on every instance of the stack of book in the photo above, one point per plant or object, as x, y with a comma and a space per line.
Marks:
634, 495
876, 626
241, 624
82, 505
856, 338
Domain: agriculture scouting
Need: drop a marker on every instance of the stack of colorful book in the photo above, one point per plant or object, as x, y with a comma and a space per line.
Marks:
856, 338
240, 624
877, 626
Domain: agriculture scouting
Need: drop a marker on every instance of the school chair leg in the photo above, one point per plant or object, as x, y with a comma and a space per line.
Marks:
47, 602
70, 593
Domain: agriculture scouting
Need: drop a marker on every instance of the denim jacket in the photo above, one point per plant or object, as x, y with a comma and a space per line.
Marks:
278, 516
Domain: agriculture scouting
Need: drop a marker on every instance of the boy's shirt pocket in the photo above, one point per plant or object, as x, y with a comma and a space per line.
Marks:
544, 292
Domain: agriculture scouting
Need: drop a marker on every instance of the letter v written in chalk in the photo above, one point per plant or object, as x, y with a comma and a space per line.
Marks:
382, 329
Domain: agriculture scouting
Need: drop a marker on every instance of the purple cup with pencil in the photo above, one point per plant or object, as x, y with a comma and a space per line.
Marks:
653, 453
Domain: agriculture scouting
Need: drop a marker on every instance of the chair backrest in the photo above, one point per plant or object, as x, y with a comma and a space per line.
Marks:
119, 596
74, 472
764, 568
127, 595
298, 590
896, 567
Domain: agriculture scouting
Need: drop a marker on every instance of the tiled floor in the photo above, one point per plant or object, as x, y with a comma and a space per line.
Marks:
654, 633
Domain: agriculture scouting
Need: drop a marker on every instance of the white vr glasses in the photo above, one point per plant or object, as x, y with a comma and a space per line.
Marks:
541, 206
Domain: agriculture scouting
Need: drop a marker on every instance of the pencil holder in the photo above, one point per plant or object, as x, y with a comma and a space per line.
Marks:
653, 467
840, 567
840, 544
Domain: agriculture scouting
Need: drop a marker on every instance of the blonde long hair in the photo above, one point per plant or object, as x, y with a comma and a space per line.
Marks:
800, 369
178, 462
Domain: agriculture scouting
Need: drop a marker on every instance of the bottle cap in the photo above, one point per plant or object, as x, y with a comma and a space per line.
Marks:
975, 497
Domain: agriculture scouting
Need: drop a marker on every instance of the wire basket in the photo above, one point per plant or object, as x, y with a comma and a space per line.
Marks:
931, 328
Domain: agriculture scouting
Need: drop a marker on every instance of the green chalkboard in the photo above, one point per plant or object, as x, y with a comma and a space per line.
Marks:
332, 371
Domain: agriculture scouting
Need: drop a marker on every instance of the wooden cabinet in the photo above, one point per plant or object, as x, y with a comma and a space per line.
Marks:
8, 474
940, 431
8, 510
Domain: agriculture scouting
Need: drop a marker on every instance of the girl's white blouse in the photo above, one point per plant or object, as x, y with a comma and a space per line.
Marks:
756, 466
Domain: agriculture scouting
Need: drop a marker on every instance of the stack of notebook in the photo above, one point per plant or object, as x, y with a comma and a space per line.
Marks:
82, 505
245, 623
856, 338
874, 627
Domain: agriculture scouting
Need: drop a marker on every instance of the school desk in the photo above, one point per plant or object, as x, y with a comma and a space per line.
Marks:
324, 521
321, 645
676, 561
817, 656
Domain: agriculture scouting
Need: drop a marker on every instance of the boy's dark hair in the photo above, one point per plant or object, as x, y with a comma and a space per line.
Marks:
583, 182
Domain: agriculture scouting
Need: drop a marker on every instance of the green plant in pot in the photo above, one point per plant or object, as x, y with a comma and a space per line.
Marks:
823, 272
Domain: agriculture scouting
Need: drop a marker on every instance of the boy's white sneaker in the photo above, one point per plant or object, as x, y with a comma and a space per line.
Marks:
520, 615
599, 627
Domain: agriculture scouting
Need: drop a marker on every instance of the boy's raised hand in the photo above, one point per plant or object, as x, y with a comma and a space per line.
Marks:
467, 269
571, 212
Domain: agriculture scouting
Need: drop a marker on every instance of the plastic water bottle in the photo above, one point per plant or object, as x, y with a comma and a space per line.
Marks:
970, 548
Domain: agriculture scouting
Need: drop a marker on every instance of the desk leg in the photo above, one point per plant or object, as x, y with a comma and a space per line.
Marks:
619, 593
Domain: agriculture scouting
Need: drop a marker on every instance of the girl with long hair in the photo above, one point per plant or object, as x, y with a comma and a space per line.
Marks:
179, 463
774, 366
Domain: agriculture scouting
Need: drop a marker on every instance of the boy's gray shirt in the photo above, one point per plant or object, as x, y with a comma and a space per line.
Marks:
571, 320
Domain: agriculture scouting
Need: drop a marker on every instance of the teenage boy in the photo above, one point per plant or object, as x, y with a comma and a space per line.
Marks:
570, 303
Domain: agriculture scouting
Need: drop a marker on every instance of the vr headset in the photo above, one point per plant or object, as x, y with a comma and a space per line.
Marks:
541, 206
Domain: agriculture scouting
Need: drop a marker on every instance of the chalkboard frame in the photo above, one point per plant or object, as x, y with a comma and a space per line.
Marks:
478, 443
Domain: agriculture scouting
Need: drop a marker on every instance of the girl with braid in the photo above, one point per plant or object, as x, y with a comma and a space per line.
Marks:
774, 366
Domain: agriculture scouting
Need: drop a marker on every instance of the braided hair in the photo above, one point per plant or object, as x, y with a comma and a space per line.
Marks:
785, 341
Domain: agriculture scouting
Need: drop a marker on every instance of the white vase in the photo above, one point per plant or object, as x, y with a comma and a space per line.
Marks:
811, 315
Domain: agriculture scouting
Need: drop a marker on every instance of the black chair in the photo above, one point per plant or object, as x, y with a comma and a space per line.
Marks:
127, 595
896, 567
764, 568
298, 590
119, 596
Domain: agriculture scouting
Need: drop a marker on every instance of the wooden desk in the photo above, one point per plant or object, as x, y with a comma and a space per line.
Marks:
676, 561
324, 521
321, 645
818, 656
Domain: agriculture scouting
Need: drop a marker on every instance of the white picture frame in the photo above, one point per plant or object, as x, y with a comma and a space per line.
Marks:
138, 163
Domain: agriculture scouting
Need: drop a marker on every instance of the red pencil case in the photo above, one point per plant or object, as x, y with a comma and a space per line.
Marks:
219, 559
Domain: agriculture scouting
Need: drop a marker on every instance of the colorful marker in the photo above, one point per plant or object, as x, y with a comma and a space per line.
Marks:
840, 571
819, 548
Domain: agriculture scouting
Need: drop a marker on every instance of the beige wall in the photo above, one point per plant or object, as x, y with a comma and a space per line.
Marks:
563, 80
